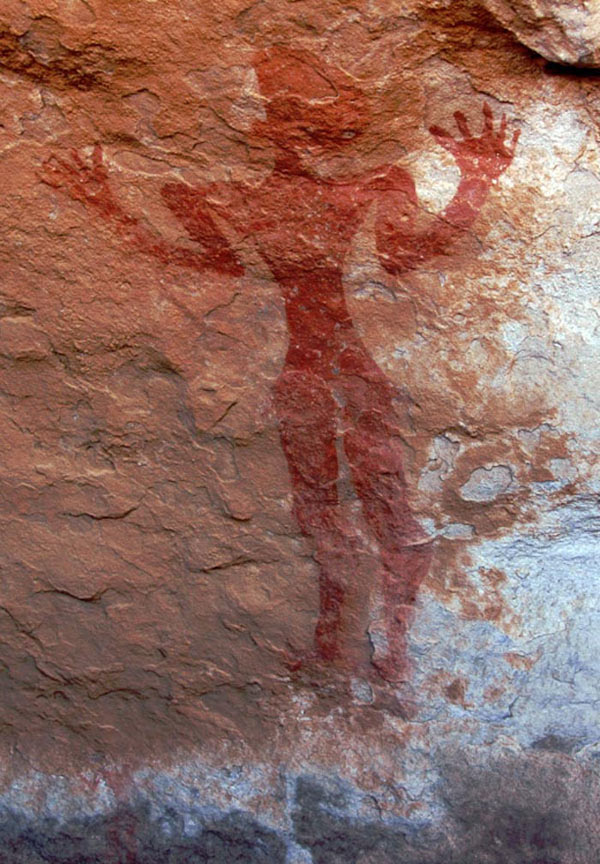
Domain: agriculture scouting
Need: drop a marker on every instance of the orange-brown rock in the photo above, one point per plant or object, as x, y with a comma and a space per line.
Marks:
299, 331
565, 32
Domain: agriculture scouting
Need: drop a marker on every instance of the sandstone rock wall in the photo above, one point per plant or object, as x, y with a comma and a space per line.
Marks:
299, 375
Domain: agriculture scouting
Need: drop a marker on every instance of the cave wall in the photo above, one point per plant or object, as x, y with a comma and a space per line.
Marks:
299, 375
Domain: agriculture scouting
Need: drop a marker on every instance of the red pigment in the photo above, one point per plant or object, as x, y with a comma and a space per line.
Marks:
330, 391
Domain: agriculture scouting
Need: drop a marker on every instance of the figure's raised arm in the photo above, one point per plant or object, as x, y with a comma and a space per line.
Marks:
189, 205
90, 184
481, 160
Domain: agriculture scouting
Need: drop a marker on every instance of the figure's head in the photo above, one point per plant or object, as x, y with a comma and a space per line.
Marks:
307, 101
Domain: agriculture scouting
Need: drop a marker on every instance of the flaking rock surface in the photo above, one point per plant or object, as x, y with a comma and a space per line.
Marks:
299, 488
564, 32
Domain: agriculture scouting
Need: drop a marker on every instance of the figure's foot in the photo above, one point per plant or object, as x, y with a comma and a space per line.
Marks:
364, 688
330, 681
301, 662
311, 669
328, 684
324, 658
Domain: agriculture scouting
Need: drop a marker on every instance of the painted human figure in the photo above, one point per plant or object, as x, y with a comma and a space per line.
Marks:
334, 405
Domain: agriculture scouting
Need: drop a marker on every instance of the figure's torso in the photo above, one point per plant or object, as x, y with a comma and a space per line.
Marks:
303, 227
303, 224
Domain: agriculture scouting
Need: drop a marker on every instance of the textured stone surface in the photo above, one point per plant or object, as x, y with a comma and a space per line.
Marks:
299, 333
564, 32
505, 809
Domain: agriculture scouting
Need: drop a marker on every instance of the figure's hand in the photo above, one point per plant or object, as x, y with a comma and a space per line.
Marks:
485, 156
89, 183
83, 182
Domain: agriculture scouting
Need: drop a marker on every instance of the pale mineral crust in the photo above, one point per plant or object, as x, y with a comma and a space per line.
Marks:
299, 391
563, 32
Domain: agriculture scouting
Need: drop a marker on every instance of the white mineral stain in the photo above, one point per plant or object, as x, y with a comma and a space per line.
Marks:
486, 484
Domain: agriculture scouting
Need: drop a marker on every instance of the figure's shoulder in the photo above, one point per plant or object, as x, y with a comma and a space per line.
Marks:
390, 178
223, 198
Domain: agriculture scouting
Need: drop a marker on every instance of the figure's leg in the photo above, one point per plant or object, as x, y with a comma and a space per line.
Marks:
373, 448
307, 416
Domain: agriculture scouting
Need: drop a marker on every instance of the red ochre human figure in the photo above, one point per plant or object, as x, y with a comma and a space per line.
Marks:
332, 401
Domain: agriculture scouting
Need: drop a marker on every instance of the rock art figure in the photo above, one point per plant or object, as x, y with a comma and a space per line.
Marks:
336, 409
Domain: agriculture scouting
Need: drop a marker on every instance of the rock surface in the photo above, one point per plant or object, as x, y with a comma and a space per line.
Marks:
564, 32
299, 491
